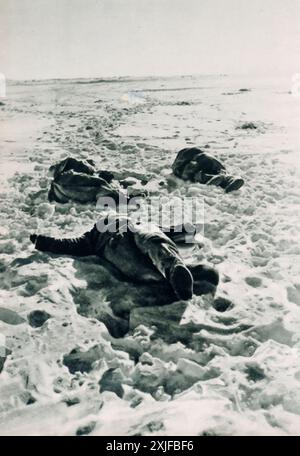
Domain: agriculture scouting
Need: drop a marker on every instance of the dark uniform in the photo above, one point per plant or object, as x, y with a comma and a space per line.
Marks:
140, 253
78, 181
197, 166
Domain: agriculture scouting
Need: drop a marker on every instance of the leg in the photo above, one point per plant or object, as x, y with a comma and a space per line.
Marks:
123, 253
162, 255
203, 169
227, 183
209, 179
165, 256
209, 167
183, 233
209, 164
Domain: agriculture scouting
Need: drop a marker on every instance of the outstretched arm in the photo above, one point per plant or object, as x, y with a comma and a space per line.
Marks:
81, 246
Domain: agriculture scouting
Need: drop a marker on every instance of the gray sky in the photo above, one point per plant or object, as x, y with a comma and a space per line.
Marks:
86, 38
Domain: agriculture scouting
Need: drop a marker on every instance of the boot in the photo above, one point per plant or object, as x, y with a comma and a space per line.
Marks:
181, 281
231, 183
203, 272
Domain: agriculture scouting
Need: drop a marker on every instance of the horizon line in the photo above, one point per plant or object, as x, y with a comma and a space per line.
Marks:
100, 79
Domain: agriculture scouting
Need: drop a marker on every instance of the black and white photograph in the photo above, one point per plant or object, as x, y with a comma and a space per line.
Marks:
150, 219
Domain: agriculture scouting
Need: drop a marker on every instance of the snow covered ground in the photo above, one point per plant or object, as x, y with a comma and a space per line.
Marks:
211, 376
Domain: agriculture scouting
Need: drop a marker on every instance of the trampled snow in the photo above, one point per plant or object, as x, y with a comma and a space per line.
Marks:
208, 372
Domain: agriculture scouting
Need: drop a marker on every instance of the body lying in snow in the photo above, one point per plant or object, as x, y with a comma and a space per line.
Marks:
79, 181
197, 166
141, 253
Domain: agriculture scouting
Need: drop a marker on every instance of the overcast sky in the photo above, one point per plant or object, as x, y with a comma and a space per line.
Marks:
90, 38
